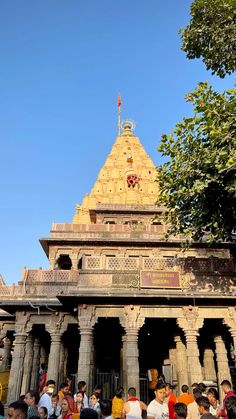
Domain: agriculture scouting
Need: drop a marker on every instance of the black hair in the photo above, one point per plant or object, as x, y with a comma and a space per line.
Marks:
132, 392
105, 406
63, 385
50, 382
214, 392
226, 383
184, 388
180, 410
45, 409
119, 392
1, 409
81, 384
88, 413
160, 385
21, 406
35, 395
202, 387
203, 402
197, 393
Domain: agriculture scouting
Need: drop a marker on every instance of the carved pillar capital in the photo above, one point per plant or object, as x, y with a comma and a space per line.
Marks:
56, 326
132, 320
86, 318
190, 322
230, 320
23, 323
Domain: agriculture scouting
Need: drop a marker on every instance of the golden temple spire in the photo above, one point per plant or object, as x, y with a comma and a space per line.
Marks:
119, 112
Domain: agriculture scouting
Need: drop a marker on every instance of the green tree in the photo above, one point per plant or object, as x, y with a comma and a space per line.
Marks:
211, 34
198, 183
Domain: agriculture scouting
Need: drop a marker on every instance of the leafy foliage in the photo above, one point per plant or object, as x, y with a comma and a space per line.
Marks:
198, 183
211, 34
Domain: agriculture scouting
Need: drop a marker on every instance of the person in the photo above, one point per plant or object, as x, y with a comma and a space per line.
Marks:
2, 415
31, 399
69, 380
170, 400
42, 377
17, 410
230, 405
55, 411
98, 389
43, 412
68, 407
82, 386
133, 407
152, 382
158, 408
204, 407
118, 403
180, 410
185, 397
227, 389
64, 391
202, 387
106, 406
80, 401
94, 402
194, 385
213, 397
88, 413
192, 408
46, 398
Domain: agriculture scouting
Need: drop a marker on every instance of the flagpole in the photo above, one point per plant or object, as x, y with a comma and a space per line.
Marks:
119, 112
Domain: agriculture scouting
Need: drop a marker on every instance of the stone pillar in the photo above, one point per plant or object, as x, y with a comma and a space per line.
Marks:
209, 365
28, 362
34, 383
132, 322
43, 355
62, 364
56, 327
17, 365
22, 329
6, 354
74, 261
191, 323
123, 367
86, 319
172, 357
230, 322
181, 363
223, 371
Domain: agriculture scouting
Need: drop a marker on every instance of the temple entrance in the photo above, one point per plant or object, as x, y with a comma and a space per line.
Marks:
156, 338
107, 346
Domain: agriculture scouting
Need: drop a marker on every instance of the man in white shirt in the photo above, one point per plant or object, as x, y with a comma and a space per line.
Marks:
158, 408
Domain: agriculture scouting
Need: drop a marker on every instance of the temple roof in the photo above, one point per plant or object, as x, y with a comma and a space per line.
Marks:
128, 177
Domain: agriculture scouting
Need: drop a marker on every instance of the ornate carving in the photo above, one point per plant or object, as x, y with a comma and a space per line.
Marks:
230, 321
23, 324
57, 324
86, 317
190, 320
132, 318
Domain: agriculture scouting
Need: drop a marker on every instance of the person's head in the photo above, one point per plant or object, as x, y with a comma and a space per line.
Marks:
51, 383
69, 380
98, 389
43, 412
80, 396
202, 387
184, 388
94, 398
203, 405
180, 410
230, 405
17, 410
119, 392
131, 392
31, 398
194, 385
212, 395
105, 406
226, 386
160, 392
88, 414
55, 399
68, 405
197, 393
82, 386
168, 389
64, 388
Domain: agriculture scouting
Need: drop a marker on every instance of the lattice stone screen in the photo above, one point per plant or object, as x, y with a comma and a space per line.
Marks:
93, 263
122, 264
158, 263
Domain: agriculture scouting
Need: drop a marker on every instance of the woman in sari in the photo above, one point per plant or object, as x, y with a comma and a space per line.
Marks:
68, 408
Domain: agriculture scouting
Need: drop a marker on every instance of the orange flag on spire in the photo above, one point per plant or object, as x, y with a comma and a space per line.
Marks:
119, 100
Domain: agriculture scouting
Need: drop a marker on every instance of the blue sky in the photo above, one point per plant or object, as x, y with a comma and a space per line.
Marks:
62, 64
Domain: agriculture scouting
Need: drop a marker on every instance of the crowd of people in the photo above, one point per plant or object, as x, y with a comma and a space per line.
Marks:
51, 403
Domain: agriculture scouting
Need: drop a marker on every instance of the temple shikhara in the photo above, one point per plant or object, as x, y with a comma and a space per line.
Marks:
118, 299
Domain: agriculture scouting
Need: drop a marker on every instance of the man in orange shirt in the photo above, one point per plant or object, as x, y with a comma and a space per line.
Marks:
185, 397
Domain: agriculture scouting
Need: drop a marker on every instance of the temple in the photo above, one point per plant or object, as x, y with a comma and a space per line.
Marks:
118, 299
